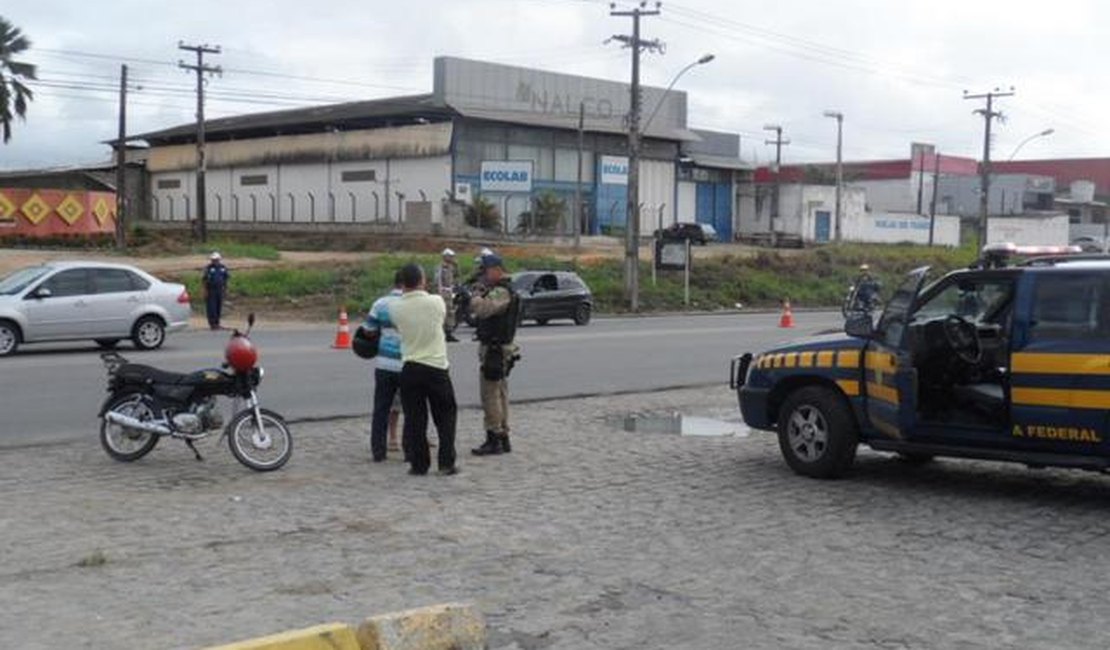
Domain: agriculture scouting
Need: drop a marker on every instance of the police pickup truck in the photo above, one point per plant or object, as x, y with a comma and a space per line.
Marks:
1000, 361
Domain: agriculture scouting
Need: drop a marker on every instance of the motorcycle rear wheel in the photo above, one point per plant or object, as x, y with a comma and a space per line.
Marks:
123, 444
262, 451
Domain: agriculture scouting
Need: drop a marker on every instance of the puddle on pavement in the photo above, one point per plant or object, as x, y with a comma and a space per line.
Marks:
676, 423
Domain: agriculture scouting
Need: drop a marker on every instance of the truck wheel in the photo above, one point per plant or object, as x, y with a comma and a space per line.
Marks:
817, 433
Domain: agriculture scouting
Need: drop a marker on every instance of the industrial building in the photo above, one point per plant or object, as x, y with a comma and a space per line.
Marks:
1029, 202
506, 134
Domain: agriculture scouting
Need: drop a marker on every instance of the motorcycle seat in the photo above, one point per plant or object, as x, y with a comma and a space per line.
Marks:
147, 374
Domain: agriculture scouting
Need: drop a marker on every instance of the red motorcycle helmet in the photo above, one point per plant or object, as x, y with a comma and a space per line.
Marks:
241, 354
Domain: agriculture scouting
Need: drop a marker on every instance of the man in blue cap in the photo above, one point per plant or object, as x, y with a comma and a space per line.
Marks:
497, 311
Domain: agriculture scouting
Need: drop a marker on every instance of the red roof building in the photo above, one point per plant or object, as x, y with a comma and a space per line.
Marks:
1064, 170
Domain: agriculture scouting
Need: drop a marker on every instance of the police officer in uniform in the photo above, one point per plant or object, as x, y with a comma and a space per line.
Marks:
497, 310
216, 277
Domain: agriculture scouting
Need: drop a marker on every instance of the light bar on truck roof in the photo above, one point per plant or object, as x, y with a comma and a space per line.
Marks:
1009, 249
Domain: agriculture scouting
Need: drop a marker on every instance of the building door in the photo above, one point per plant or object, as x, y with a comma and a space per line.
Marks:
722, 211
821, 226
713, 206
704, 207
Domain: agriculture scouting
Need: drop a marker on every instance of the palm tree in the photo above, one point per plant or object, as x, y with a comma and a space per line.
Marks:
14, 95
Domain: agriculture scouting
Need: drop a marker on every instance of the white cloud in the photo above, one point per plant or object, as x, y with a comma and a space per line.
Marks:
896, 69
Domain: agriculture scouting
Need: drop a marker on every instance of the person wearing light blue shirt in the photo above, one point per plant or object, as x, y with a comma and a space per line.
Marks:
387, 372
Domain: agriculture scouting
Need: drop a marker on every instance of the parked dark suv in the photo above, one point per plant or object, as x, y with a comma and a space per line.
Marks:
547, 295
697, 233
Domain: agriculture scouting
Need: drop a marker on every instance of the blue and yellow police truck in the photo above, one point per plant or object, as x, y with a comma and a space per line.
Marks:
1007, 360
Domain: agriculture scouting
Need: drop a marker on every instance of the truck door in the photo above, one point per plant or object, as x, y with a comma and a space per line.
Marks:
1060, 377
889, 378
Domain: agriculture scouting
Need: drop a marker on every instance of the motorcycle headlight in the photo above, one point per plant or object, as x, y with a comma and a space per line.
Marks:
256, 376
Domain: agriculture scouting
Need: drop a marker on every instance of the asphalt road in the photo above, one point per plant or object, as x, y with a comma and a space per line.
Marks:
51, 393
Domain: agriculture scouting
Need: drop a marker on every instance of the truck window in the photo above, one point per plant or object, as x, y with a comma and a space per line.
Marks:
1067, 307
975, 300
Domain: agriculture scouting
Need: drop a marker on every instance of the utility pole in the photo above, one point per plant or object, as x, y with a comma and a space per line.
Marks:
933, 202
989, 115
201, 224
920, 178
632, 229
578, 184
839, 117
121, 161
779, 144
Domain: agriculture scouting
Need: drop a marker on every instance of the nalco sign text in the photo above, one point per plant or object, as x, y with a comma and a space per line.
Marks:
506, 176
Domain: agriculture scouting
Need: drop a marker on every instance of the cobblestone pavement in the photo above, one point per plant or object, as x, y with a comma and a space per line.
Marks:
586, 536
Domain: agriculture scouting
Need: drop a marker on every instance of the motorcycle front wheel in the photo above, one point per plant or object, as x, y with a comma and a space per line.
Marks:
125, 444
264, 448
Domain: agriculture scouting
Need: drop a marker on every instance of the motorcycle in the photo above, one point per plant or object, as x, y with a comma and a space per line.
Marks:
146, 404
856, 301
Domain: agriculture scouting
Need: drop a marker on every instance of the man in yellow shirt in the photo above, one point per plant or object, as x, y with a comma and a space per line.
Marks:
425, 381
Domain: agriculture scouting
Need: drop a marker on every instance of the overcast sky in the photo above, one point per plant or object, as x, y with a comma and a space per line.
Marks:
896, 70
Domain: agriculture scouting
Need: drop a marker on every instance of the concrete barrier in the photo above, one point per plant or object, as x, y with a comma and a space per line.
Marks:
331, 636
452, 626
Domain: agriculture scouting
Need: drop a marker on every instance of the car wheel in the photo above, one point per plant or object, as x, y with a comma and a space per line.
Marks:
582, 314
541, 321
107, 344
817, 433
149, 333
9, 338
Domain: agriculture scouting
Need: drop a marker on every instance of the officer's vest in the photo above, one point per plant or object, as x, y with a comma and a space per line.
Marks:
501, 329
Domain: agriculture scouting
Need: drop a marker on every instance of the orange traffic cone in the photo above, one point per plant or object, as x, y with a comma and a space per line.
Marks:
787, 319
343, 335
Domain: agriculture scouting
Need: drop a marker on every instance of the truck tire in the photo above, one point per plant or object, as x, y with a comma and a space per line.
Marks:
818, 434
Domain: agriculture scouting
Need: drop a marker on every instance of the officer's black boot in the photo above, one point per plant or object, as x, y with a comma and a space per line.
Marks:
505, 446
491, 447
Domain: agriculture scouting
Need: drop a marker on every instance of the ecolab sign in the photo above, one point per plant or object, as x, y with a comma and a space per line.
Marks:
614, 170
506, 176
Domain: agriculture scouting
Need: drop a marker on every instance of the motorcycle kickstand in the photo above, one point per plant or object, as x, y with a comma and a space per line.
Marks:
196, 453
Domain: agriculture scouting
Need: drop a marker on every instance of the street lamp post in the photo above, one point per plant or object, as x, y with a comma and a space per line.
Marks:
635, 132
839, 117
705, 58
1039, 134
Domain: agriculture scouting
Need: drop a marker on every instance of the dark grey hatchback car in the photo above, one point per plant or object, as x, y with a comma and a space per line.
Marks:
547, 295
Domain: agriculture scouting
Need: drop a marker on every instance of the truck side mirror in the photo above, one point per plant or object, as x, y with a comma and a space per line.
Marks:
859, 325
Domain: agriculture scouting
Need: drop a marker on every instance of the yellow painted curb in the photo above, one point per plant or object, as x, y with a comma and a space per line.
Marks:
452, 626
330, 636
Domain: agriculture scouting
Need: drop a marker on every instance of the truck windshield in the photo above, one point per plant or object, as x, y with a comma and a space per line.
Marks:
21, 279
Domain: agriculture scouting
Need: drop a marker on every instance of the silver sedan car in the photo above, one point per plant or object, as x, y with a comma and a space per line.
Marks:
68, 301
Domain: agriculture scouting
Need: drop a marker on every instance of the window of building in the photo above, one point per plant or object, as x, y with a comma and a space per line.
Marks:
359, 176
169, 183
566, 165
254, 179
542, 159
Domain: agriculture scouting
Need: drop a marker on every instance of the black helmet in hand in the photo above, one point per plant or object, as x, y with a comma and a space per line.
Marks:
365, 342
